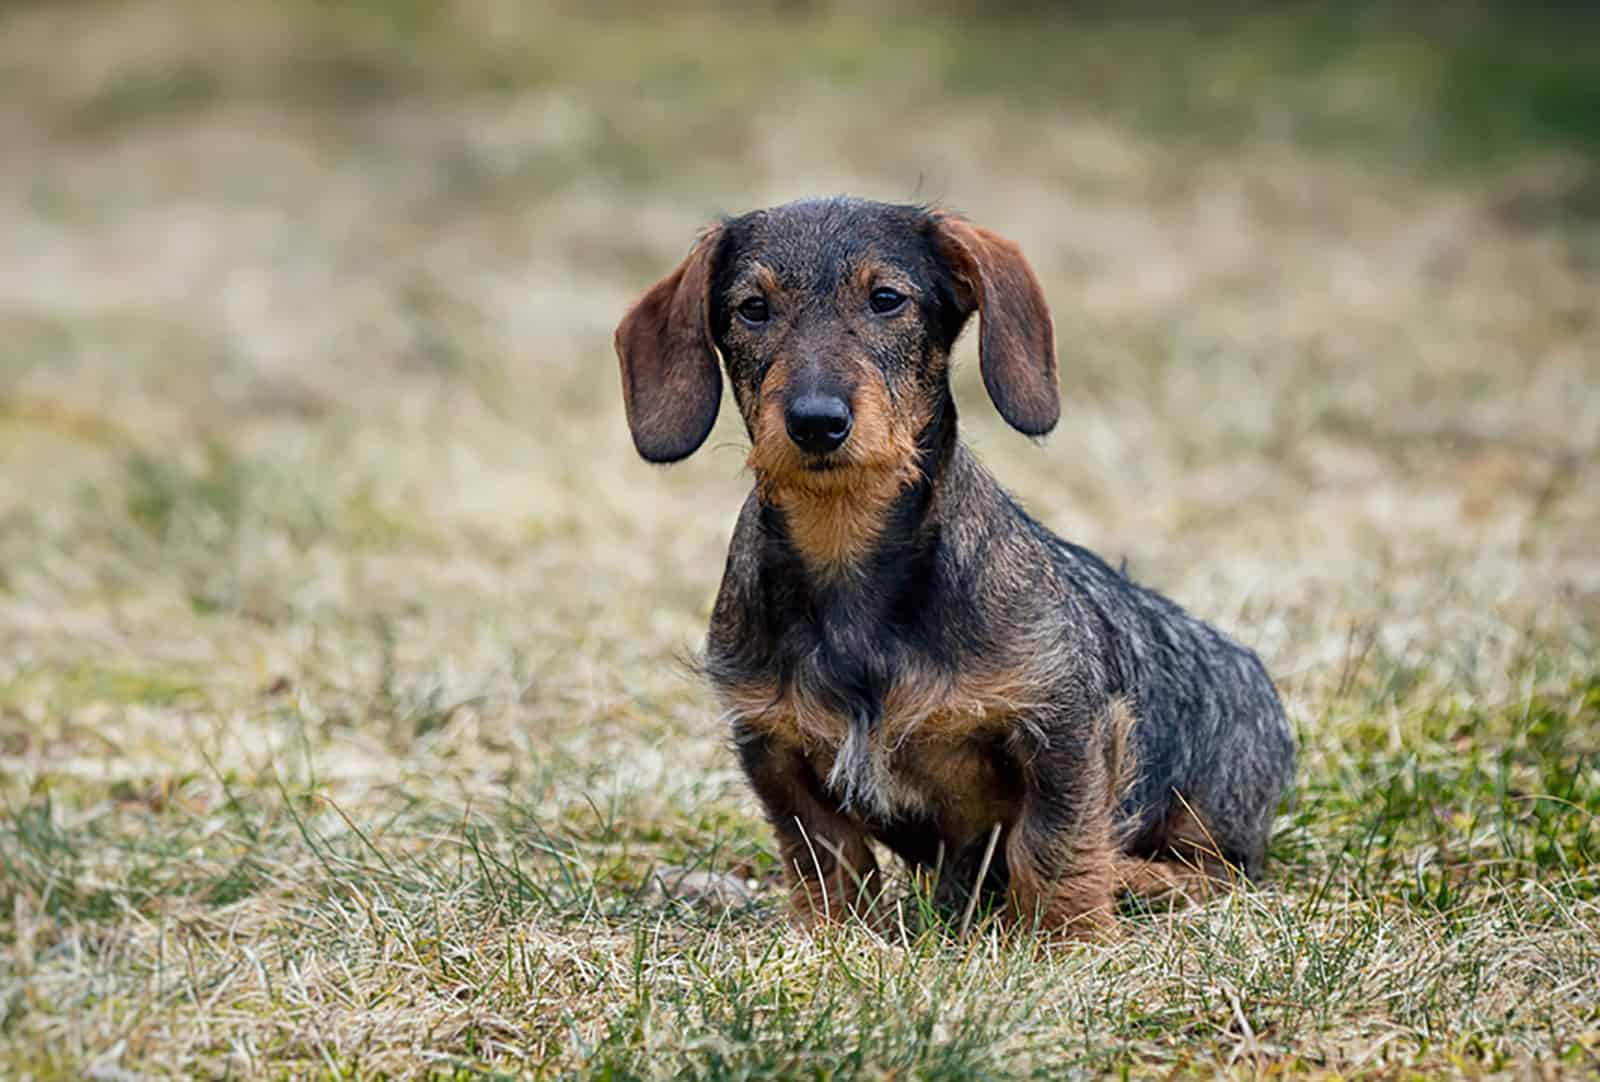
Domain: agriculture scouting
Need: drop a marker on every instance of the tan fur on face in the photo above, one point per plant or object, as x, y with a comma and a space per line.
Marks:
835, 515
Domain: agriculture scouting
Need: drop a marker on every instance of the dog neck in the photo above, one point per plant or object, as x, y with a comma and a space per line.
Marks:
874, 528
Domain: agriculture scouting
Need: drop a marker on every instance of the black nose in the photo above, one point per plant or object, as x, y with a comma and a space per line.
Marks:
817, 423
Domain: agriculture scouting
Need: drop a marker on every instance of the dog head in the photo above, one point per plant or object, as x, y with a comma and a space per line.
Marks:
834, 319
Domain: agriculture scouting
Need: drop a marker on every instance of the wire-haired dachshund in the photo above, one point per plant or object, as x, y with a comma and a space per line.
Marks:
905, 654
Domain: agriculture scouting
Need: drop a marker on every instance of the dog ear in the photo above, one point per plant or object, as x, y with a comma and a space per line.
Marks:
671, 385
1016, 346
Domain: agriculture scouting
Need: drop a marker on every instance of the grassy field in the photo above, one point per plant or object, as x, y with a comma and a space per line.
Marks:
344, 718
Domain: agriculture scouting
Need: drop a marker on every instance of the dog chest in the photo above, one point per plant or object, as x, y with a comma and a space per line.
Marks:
932, 745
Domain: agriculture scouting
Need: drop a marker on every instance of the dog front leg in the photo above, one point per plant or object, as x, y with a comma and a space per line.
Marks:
827, 861
1059, 852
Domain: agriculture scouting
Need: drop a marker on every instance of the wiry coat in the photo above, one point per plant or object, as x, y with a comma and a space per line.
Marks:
905, 654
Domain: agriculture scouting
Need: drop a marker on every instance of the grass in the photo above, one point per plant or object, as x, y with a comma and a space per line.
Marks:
343, 724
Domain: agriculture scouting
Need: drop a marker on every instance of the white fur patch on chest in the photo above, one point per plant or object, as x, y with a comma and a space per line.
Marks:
864, 779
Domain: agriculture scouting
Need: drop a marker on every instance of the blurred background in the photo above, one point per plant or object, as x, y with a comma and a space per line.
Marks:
285, 283
313, 471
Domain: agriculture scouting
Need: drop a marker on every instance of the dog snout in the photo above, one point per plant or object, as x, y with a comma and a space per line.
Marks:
818, 423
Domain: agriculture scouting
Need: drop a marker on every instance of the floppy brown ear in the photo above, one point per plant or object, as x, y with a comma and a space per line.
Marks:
1016, 344
671, 386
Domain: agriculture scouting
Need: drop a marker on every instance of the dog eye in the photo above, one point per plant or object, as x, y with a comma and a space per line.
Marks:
885, 300
754, 310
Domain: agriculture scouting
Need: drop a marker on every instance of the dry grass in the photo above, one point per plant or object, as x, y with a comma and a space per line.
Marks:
340, 717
